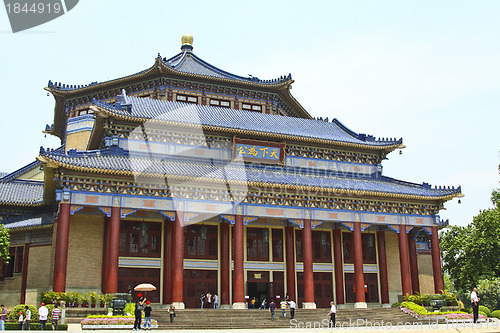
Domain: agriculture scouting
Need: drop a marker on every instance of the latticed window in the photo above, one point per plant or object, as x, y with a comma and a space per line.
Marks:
200, 242
140, 239
258, 244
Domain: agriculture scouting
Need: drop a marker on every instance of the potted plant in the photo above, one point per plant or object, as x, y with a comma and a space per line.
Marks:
102, 300
93, 298
85, 300
73, 299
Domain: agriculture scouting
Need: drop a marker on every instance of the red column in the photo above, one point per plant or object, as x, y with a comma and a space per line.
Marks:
61, 256
105, 257
225, 263
436, 261
359, 279
290, 262
412, 248
238, 273
338, 264
308, 262
403, 260
114, 248
382, 267
178, 258
167, 263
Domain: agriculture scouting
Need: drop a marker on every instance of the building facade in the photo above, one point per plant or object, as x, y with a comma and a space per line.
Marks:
195, 180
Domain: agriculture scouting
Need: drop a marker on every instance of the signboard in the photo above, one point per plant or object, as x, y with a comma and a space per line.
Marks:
259, 151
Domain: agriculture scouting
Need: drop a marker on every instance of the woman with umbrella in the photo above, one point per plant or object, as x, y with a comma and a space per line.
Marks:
139, 304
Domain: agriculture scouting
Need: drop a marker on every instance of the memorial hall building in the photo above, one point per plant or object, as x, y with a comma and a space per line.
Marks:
197, 180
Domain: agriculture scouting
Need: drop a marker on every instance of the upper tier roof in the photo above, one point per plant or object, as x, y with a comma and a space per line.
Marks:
21, 193
253, 174
138, 109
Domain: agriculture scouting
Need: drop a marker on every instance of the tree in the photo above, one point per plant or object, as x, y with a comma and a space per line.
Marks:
471, 253
4, 243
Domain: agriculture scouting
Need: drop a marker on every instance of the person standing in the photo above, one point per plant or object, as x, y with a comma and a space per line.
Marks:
272, 307
216, 301
475, 304
292, 306
283, 308
43, 313
27, 319
147, 316
209, 300
139, 304
3, 317
252, 303
331, 314
56, 314
202, 299
171, 312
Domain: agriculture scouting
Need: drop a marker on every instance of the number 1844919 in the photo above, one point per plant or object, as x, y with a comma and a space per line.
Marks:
34, 8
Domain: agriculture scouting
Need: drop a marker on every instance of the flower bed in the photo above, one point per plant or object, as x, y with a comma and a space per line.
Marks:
112, 322
418, 311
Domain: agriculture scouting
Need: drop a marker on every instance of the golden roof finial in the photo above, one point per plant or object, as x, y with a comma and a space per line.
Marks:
187, 39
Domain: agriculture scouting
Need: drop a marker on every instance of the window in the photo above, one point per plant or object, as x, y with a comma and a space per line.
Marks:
251, 107
258, 244
200, 242
368, 248
187, 99
220, 102
14, 264
298, 245
140, 239
277, 244
322, 251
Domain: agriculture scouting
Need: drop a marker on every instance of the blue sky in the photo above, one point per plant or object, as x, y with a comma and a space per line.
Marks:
427, 71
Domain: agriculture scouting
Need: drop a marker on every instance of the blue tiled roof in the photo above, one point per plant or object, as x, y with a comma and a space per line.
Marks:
244, 120
27, 221
253, 173
188, 62
21, 193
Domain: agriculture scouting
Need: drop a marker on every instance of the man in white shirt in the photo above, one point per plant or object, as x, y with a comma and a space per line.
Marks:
43, 313
292, 306
331, 314
475, 304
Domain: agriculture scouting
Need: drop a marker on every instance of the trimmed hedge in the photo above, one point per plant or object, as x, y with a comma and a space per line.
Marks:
10, 326
495, 314
484, 309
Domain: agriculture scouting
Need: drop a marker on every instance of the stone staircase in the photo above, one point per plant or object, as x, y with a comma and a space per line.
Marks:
255, 319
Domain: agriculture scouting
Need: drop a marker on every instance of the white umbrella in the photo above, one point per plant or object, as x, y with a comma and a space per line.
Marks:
145, 287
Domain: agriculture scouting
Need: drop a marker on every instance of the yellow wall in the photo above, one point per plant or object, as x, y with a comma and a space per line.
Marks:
425, 274
393, 266
77, 140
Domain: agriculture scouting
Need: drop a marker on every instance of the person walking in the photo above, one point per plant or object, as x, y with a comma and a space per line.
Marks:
56, 314
216, 301
139, 305
21, 321
263, 304
475, 304
331, 314
3, 317
171, 312
147, 316
272, 307
252, 303
43, 313
27, 319
283, 308
292, 306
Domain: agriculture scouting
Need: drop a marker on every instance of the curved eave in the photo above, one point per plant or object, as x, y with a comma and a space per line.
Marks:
103, 112
22, 204
336, 191
35, 227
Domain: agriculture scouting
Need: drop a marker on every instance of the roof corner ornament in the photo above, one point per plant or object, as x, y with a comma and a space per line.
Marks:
187, 43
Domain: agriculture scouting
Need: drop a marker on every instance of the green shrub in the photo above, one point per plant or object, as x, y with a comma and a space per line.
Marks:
482, 313
13, 314
396, 305
129, 308
52, 297
489, 292
495, 314
485, 310
418, 309
10, 326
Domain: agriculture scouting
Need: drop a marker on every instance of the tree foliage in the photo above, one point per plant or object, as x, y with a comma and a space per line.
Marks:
471, 253
4, 243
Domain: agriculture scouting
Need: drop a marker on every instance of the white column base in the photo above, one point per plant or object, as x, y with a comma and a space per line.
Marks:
308, 305
240, 305
225, 306
386, 305
179, 305
360, 305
